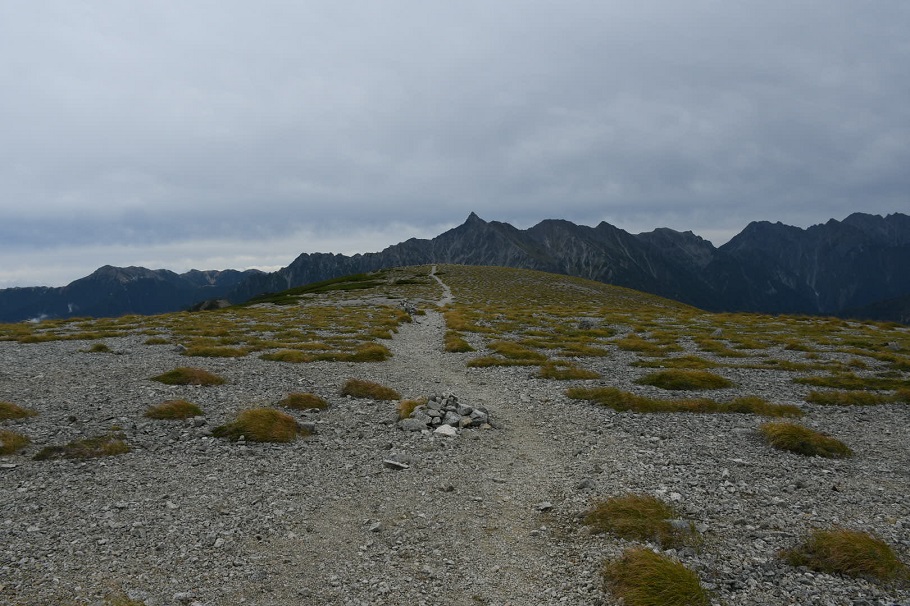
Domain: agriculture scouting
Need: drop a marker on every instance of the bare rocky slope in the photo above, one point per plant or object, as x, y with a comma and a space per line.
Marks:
487, 517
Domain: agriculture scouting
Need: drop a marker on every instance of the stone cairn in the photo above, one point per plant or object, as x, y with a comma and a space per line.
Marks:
445, 415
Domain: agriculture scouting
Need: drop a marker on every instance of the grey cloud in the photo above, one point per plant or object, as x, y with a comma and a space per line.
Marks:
179, 120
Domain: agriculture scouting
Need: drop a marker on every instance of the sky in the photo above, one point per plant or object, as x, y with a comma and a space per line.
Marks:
209, 134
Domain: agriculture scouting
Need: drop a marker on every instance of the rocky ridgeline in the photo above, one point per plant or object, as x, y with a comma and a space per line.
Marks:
445, 415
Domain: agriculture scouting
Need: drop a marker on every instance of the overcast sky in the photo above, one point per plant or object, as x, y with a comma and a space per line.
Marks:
214, 134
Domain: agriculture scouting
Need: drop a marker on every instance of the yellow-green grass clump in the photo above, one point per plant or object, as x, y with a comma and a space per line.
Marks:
215, 351
368, 352
681, 379
645, 347
9, 411
97, 348
455, 343
515, 351
640, 517
624, 401
359, 388
261, 425
848, 552
184, 375
294, 356
173, 410
848, 398
565, 371
851, 381
10, 442
88, 448
644, 578
304, 401
691, 362
406, 407
804, 441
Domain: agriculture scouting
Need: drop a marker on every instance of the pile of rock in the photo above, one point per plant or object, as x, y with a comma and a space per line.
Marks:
445, 415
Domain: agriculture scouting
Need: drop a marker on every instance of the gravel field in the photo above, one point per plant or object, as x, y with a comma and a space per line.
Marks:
489, 517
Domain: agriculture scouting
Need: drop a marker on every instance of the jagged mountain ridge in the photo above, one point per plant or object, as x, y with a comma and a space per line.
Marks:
115, 291
839, 267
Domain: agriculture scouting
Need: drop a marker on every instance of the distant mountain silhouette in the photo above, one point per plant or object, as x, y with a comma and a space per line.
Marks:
115, 291
856, 266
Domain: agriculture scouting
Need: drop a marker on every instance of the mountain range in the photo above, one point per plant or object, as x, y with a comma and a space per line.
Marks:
857, 267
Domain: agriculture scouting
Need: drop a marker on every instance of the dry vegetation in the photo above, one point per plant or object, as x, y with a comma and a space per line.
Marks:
88, 448
359, 388
173, 410
639, 517
848, 552
261, 425
644, 578
185, 375
802, 440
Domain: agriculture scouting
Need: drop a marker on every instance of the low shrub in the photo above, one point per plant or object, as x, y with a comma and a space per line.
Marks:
680, 379
848, 552
564, 371
639, 517
188, 376
10, 442
644, 578
9, 411
260, 425
804, 441
359, 388
88, 448
304, 401
173, 410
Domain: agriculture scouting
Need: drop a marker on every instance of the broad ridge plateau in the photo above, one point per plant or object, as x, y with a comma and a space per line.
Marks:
103, 504
851, 268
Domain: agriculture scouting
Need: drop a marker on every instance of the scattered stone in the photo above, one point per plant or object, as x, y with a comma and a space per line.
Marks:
446, 430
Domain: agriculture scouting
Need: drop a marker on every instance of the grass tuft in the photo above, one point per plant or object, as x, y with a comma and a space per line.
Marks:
406, 407
804, 441
455, 343
565, 371
644, 578
680, 379
88, 448
623, 401
173, 410
215, 351
304, 401
639, 517
10, 442
848, 552
188, 376
97, 348
260, 425
9, 411
359, 388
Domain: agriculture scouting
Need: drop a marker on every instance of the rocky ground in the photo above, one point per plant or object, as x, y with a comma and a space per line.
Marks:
490, 516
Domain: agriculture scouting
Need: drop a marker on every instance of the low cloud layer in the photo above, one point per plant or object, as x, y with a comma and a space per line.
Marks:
240, 132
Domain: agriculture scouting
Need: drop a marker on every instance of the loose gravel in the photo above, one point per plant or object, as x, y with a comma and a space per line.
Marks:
486, 517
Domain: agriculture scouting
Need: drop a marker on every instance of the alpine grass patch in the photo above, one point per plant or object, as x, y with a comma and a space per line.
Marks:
455, 343
406, 407
640, 517
848, 552
680, 379
303, 401
644, 578
185, 375
564, 371
9, 411
173, 410
97, 348
848, 398
260, 425
853, 382
804, 441
88, 448
360, 388
623, 401
10, 442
